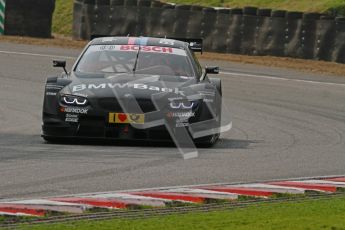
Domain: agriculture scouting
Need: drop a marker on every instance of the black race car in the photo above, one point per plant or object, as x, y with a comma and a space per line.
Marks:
134, 88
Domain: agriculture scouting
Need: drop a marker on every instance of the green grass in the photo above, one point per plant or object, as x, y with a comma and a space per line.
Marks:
322, 214
62, 19
292, 5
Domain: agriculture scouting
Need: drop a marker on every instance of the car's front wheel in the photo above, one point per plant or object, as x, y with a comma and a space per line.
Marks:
51, 139
207, 141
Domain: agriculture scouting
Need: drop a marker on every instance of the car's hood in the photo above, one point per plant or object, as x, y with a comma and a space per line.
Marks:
119, 85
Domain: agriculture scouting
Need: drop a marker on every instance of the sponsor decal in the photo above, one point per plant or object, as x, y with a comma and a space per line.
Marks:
126, 118
82, 87
136, 41
208, 100
51, 93
131, 41
72, 118
182, 124
181, 114
167, 42
182, 118
135, 48
52, 86
207, 93
74, 110
152, 49
108, 39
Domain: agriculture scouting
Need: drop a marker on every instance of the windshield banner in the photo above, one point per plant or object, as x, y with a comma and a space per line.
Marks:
135, 48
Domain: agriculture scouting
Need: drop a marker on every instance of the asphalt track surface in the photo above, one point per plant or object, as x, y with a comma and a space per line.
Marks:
286, 124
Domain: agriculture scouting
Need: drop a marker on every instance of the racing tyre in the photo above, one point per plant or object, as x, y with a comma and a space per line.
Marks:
292, 15
264, 12
340, 19
208, 141
144, 3
196, 8
278, 13
51, 139
116, 2
327, 18
223, 11
311, 16
250, 11
131, 2
103, 2
156, 4
236, 11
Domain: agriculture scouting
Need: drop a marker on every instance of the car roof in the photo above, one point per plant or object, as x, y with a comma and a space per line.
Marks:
144, 41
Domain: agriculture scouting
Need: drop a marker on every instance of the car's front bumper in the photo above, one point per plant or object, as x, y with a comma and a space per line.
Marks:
99, 128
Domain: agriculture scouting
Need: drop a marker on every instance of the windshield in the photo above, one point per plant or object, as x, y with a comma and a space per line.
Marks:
153, 60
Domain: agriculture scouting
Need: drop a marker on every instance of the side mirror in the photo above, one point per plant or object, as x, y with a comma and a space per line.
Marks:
62, 64
212, 70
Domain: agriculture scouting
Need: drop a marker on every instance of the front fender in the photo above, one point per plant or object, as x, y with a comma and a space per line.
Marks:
51, 92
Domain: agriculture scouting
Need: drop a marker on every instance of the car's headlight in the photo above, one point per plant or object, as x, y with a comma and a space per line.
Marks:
183, 104
73, 100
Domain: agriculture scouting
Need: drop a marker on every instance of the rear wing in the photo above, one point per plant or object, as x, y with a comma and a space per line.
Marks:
195, 44
94, 36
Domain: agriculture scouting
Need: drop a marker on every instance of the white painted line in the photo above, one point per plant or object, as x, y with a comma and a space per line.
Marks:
234, 74
36, 55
